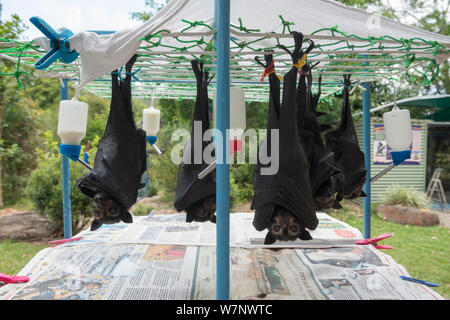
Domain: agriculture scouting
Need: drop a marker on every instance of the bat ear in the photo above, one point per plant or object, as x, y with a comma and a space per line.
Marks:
269, 238
95, 225
189, 218
126, 217
213, 219
336, 205
305, 235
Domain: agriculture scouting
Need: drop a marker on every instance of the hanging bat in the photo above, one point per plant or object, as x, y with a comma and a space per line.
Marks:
283, 201
349, 159
120, 160
197, 196
322, 172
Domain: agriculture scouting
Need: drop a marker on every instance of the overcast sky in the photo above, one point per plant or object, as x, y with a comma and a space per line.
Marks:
77, 15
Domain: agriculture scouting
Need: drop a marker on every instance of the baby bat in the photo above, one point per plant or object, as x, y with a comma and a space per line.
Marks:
322, 170
349, 159
284, 200
197, 196
285, 227
120, 160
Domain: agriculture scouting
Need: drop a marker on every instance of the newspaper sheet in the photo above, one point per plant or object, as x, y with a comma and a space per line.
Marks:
172, 229
106, 271
165, 272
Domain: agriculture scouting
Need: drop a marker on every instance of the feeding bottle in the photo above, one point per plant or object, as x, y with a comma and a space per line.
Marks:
151, 123
72, 123
398, 132
237, 117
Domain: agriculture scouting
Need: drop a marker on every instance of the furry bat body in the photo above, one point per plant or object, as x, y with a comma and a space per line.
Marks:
120, 160
349, 159
197, 197
322, 170
283, 202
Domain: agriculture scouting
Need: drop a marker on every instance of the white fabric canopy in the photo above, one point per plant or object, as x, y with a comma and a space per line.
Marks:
102, 54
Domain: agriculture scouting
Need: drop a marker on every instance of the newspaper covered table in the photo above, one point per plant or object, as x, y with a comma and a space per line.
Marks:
162, 257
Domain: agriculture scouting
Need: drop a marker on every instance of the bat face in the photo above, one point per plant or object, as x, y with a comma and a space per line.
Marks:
202, 210
285, 227
107, 211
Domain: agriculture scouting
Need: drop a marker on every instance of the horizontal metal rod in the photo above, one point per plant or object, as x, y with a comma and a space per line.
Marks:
382, 173
332, 52
85, 165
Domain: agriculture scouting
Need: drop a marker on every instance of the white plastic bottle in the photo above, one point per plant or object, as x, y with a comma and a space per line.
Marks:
397, 128
72, 121
237, 112
151, 121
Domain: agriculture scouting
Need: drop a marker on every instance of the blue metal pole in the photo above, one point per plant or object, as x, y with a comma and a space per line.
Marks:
147, 179
367, 158
222, 11
86, 157
67, 212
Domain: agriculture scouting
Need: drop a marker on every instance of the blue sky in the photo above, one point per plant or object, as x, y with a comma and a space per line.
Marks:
77, 15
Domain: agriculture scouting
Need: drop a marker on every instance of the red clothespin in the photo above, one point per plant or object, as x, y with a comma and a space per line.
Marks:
62, 241
267, 71
373, 241
7, 279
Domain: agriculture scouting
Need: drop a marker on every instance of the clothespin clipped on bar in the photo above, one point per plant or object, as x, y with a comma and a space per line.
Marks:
59, 44
63, 241
373, 241
7, 279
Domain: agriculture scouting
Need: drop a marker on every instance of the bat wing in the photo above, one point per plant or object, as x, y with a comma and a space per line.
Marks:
347, 154
120, 160
290, 186
190, 189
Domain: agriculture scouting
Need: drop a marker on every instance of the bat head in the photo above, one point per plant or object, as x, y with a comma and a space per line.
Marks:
202, 210
108, 211
285, 227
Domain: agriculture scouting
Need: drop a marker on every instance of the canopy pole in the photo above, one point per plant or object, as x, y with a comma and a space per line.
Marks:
367, 158
222, 18
67, 211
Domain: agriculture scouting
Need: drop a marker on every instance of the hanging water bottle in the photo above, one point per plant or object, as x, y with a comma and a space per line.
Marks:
237, 117
151, 123
398, 132
72, 123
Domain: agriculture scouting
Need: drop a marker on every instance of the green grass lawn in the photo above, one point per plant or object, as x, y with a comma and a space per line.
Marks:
422, 250
14, 255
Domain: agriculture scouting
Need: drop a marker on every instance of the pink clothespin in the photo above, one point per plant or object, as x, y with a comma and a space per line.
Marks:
6, 279
373, 241
62, 241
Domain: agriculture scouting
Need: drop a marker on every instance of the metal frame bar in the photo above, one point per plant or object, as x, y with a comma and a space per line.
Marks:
65, 170
222, 10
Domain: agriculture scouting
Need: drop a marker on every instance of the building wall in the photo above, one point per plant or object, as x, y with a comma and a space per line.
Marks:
413, 175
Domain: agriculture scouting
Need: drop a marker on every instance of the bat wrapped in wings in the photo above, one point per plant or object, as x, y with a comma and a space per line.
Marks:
349, 159
120, 160
283, 201
322, 172
197, 196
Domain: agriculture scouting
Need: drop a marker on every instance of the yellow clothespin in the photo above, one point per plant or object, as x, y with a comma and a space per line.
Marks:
301, 62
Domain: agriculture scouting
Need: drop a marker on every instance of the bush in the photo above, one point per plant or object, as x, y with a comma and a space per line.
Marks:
406, 197
45, 186
142, 210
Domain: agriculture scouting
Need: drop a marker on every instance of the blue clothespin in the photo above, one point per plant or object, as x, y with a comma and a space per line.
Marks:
59, 44
429, 284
